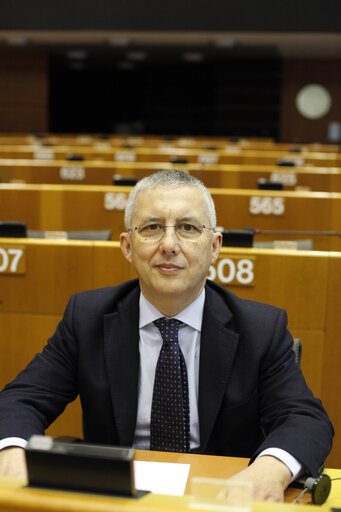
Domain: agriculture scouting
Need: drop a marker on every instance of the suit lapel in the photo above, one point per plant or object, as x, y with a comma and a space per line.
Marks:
121, 347
217, 351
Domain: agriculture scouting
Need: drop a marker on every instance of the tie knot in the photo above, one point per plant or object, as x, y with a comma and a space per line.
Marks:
168, 328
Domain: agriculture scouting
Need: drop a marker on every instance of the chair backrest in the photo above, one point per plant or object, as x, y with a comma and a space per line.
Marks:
297, 348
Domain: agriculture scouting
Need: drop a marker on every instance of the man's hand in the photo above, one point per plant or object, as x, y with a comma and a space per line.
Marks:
13, 462
269, 476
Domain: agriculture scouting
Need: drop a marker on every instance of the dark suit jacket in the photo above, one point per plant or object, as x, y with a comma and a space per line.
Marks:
251, 393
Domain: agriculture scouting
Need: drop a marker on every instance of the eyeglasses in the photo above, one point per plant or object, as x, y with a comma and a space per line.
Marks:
184, 230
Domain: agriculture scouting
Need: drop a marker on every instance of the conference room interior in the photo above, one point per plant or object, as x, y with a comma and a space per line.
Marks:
90, 104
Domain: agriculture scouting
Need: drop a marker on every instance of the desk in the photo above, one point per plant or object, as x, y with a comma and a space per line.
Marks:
13, 497
81, 207
93, 172
307, 284
227, 155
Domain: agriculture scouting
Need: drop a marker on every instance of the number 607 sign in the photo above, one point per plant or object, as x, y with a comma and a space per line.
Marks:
12, 260
234, 270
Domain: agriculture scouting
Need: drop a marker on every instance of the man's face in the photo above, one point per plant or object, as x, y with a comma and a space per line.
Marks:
171, 268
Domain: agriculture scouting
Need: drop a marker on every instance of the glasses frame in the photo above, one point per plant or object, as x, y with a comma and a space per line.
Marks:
164, 226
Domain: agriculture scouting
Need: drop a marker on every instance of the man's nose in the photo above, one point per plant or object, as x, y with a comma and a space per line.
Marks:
170, 243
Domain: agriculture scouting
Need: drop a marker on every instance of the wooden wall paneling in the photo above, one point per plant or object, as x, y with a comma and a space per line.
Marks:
296, 74
23, 92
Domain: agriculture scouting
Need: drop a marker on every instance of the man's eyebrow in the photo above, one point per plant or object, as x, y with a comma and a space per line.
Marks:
179, 219
151, 219
189, 219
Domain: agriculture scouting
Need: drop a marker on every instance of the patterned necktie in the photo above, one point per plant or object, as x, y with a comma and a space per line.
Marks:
169, 424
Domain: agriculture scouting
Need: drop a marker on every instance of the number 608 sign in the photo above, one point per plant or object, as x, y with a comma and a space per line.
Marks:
234, 270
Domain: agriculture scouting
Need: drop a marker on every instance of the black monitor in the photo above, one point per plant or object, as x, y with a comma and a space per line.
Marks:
264, 184
12, 229
238, 237
128, 181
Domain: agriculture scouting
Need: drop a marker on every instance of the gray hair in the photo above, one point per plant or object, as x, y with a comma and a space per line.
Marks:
168, 178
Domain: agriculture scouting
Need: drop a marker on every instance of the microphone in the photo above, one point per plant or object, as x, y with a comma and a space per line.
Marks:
318, 487
294, 232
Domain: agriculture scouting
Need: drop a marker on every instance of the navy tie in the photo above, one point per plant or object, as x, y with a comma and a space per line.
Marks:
169, 423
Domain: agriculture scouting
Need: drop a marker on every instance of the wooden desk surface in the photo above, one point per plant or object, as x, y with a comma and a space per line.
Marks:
17, 498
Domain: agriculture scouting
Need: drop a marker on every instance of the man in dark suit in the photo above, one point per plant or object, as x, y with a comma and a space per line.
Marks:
245, 395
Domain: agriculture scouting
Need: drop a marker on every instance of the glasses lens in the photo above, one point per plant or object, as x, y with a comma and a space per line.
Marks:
189, 231
151, 231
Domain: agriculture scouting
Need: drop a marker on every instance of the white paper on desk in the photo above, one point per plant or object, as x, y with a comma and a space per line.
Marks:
161, 477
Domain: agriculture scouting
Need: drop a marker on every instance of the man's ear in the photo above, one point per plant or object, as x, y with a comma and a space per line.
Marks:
216, 246
125, 244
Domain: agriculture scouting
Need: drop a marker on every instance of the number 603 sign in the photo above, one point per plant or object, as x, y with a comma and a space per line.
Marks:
234, 270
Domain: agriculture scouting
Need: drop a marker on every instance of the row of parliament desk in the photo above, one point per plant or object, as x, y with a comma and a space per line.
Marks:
230, 155
262, 144
94, 207
37, 278
327, 179
16, 497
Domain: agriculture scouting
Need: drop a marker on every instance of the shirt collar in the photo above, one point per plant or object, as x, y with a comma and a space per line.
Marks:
191, 315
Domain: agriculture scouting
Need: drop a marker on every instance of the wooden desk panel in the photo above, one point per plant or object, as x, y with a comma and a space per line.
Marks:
39, 289
293, 280
75, 207
305, 283
229, 155
326, 179
251, 143
21, 337
55, 270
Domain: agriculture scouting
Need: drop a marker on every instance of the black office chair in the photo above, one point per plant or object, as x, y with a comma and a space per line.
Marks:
297, 348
